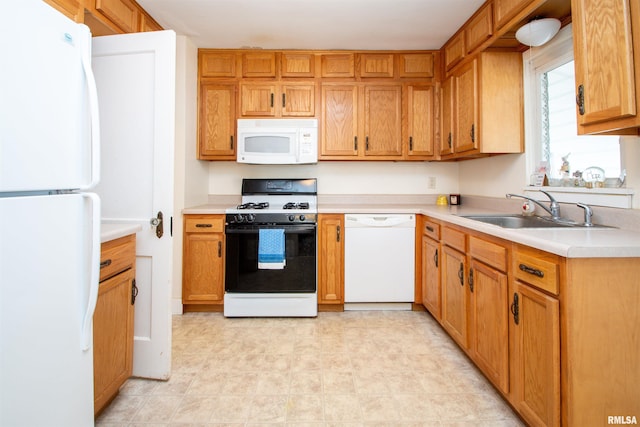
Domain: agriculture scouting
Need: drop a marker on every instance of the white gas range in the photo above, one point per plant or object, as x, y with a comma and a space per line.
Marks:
271, 254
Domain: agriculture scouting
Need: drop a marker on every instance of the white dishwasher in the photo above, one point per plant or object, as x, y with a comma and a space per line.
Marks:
379, 260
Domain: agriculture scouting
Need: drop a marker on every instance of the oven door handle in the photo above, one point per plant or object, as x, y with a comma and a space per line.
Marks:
288, 229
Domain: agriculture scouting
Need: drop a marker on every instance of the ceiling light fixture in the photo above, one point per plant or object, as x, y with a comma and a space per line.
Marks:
538, 31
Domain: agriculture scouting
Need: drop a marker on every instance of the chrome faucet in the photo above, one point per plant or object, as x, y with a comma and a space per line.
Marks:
553, 209
588, 213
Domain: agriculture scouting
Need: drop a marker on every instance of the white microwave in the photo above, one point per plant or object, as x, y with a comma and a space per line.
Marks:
278, 141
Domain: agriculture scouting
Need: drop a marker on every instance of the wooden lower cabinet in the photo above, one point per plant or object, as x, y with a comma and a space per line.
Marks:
535, 337
455, 299
113, 320
489, 336
431, 292
203, 260
330, 259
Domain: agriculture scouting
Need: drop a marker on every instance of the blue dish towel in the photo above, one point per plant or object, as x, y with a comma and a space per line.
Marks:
271, 253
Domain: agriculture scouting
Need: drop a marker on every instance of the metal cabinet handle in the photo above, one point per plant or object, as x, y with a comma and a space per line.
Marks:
435, 258
471, 280
272, 96
284, 102
461, 274
580, 100
366, 143
219, 249
473, 133
105, 263
449, 139
337, 233
410, 143
531, 270
204, 225
231, 138
515, 309
355, 143
429, 228
134, 292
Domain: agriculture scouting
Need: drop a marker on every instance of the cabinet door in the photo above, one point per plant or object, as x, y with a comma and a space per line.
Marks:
338, 65
416, 65
454, 51
71, 8
376, 65
448, 129
217, 64
604, 61
330, 259
421, 132
383, 120
454, 295
298, 100
123, 13
259, 64
203, 264
431, 292
297, 64
480, 28
507, 9
536, 355
340, 121
490, 322
466, 107
112, 338
257, 99
217, 122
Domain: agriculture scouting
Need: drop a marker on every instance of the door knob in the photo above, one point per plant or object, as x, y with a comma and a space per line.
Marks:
157, 223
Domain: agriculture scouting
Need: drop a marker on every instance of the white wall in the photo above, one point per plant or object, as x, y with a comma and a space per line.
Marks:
191, 175
225, 178
493, 176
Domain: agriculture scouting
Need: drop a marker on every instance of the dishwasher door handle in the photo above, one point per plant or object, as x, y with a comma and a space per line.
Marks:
376, 220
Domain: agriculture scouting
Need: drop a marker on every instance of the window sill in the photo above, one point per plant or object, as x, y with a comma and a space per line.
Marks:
609, 197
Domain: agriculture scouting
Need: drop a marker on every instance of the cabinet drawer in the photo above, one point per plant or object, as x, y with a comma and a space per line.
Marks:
488, 252
454, 238
204, 225
539, 269
117, 256
431, 229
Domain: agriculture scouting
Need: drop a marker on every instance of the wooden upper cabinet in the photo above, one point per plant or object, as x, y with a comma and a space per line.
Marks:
447, 135
466, 101
607, 85
337, 65
480, 28
71, 8
297, 64
147, 23
421, 120
383, 120
339, 120
259, 64
217, 64
257, 99
376, 65
298, 99
416, 65
216, 127
454, 51
504, 10
123, 13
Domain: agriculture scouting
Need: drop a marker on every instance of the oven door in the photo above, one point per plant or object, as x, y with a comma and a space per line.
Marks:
242, 274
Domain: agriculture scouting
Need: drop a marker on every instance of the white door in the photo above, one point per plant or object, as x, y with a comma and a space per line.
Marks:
135, 75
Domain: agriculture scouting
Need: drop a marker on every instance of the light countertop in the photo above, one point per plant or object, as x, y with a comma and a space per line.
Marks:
566, 242
111, 231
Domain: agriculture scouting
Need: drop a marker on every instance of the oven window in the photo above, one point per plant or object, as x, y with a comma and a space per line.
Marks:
243, 276
267, 144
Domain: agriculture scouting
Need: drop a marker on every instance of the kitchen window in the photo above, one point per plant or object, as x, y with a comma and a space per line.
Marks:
551, 129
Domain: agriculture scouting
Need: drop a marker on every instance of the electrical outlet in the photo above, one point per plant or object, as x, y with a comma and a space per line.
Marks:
431, 183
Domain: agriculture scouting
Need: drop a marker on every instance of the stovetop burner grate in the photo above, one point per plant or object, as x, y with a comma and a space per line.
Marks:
300, 205
251, 205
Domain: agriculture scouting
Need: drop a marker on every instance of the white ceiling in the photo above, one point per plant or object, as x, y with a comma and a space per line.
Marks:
314, 24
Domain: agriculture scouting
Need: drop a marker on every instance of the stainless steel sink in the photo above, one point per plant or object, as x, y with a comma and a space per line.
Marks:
520, 221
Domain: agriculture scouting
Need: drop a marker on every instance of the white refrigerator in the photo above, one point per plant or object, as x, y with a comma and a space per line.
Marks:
49, 223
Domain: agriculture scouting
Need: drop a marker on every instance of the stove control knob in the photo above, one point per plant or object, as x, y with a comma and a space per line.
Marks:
239, 218
292, 217
250, 218
301, 217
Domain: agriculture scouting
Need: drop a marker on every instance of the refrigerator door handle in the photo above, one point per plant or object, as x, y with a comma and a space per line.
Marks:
87, 322
92, 90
